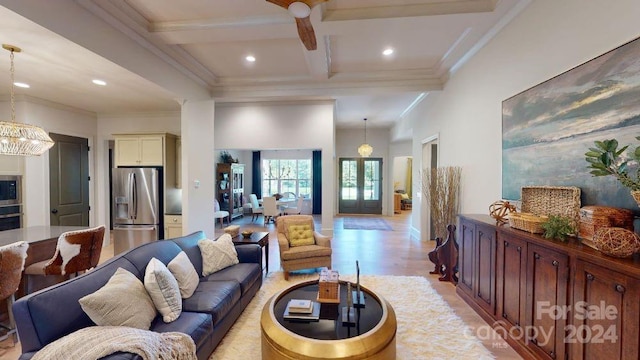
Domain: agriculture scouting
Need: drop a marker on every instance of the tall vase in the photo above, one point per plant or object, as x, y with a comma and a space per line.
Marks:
636, 196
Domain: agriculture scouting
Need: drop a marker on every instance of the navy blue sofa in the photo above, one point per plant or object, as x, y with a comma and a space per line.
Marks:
220, 298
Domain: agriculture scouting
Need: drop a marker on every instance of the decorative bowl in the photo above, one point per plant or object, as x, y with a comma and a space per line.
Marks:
247, 234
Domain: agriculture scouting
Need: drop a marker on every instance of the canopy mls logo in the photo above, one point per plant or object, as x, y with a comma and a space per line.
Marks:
596, 333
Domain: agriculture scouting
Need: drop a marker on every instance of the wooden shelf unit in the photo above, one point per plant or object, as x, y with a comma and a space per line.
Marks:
230, 188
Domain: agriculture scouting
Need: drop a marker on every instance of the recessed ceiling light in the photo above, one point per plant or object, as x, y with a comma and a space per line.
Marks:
21, 85
250, 58
99, 82
388, 52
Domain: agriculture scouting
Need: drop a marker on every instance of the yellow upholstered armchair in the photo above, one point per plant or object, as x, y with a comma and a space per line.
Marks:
301, 247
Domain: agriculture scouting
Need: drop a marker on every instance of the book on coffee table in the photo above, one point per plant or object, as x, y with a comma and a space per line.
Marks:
300, 306
314, 315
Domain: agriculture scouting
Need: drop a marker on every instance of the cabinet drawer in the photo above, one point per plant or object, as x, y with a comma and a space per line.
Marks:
172, 219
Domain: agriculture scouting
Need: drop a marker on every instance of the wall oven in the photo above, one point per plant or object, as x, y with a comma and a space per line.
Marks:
10, 217
10, 192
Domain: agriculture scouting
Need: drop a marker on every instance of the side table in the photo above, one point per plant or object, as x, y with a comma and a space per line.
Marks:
260, 238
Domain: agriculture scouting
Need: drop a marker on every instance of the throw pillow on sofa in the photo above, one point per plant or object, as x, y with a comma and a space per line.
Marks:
122, 301
163, 289
217, 255
300, 235
186, 275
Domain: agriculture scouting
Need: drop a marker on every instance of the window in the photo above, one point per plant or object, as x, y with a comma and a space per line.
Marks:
280, 176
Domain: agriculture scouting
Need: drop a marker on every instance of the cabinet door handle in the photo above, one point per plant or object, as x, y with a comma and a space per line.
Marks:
504, 315
555, 263
519, 249
506, 244
552, 354
621, 289
590, 277
536, 256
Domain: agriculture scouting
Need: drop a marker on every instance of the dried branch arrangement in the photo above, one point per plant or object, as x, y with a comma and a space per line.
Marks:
441, 189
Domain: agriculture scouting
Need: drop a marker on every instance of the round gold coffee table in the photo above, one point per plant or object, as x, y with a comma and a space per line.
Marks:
372, 335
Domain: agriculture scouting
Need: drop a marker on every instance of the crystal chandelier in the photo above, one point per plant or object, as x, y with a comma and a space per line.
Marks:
365, 149
17, 138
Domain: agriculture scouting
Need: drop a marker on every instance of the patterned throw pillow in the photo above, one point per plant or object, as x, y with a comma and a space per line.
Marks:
217, 255
300, 235
122, 301
163, 289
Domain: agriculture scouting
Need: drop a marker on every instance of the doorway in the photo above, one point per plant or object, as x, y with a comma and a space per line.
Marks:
69, 181
360, 188
429, 161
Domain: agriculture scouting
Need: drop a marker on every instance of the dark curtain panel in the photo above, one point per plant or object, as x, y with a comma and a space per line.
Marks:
317, 182
256, 176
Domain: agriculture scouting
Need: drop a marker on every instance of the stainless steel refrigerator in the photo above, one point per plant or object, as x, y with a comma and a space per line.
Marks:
136, 204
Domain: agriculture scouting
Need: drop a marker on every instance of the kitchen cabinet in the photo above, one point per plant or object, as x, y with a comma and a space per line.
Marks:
139, 150
551, 298
11, 165
172, 226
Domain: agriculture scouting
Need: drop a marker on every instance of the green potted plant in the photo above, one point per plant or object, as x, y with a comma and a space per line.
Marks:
606, 159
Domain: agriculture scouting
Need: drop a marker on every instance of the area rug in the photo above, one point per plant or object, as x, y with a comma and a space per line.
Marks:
354, 223
427, 327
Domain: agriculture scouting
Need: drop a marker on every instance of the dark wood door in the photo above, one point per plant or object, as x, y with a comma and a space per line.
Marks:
360, 186
547, 283
511, 267
485, 246
612, 332
69, 181
466, 256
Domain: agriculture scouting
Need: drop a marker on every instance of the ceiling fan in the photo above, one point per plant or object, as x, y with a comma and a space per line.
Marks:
301, 10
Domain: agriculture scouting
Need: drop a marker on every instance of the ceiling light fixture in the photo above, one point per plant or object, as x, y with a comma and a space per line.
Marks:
365, 150
21, 85
250, 58
388, 52
299, 9
18, 138
99, 82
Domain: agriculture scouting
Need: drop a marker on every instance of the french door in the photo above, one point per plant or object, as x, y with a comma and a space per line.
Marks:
360, 186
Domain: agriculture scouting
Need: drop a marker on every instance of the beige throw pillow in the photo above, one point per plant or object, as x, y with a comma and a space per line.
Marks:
122, 301
186, 275
163, 289
217, 255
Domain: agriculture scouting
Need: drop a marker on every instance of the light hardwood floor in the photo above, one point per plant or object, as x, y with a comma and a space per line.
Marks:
378, 252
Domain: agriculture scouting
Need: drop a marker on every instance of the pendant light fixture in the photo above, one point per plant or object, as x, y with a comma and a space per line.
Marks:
365, 149
18, 138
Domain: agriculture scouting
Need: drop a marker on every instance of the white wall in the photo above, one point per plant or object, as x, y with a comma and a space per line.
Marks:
53, 118
546, 39
273, 126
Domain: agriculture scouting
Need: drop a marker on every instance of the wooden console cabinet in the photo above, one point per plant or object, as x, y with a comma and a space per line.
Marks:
551, 300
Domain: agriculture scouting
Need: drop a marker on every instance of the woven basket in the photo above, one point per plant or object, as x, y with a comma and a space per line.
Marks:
617, 242
528, 222
552, 200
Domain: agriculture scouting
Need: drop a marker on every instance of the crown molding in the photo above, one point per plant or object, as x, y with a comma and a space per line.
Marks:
331, 13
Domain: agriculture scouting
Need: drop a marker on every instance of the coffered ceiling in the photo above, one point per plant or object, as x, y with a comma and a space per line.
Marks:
154, 52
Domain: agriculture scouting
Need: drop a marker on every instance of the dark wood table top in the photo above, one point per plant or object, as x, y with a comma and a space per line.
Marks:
259, 237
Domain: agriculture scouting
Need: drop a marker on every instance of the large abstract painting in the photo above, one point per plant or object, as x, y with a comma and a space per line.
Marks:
547, 129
